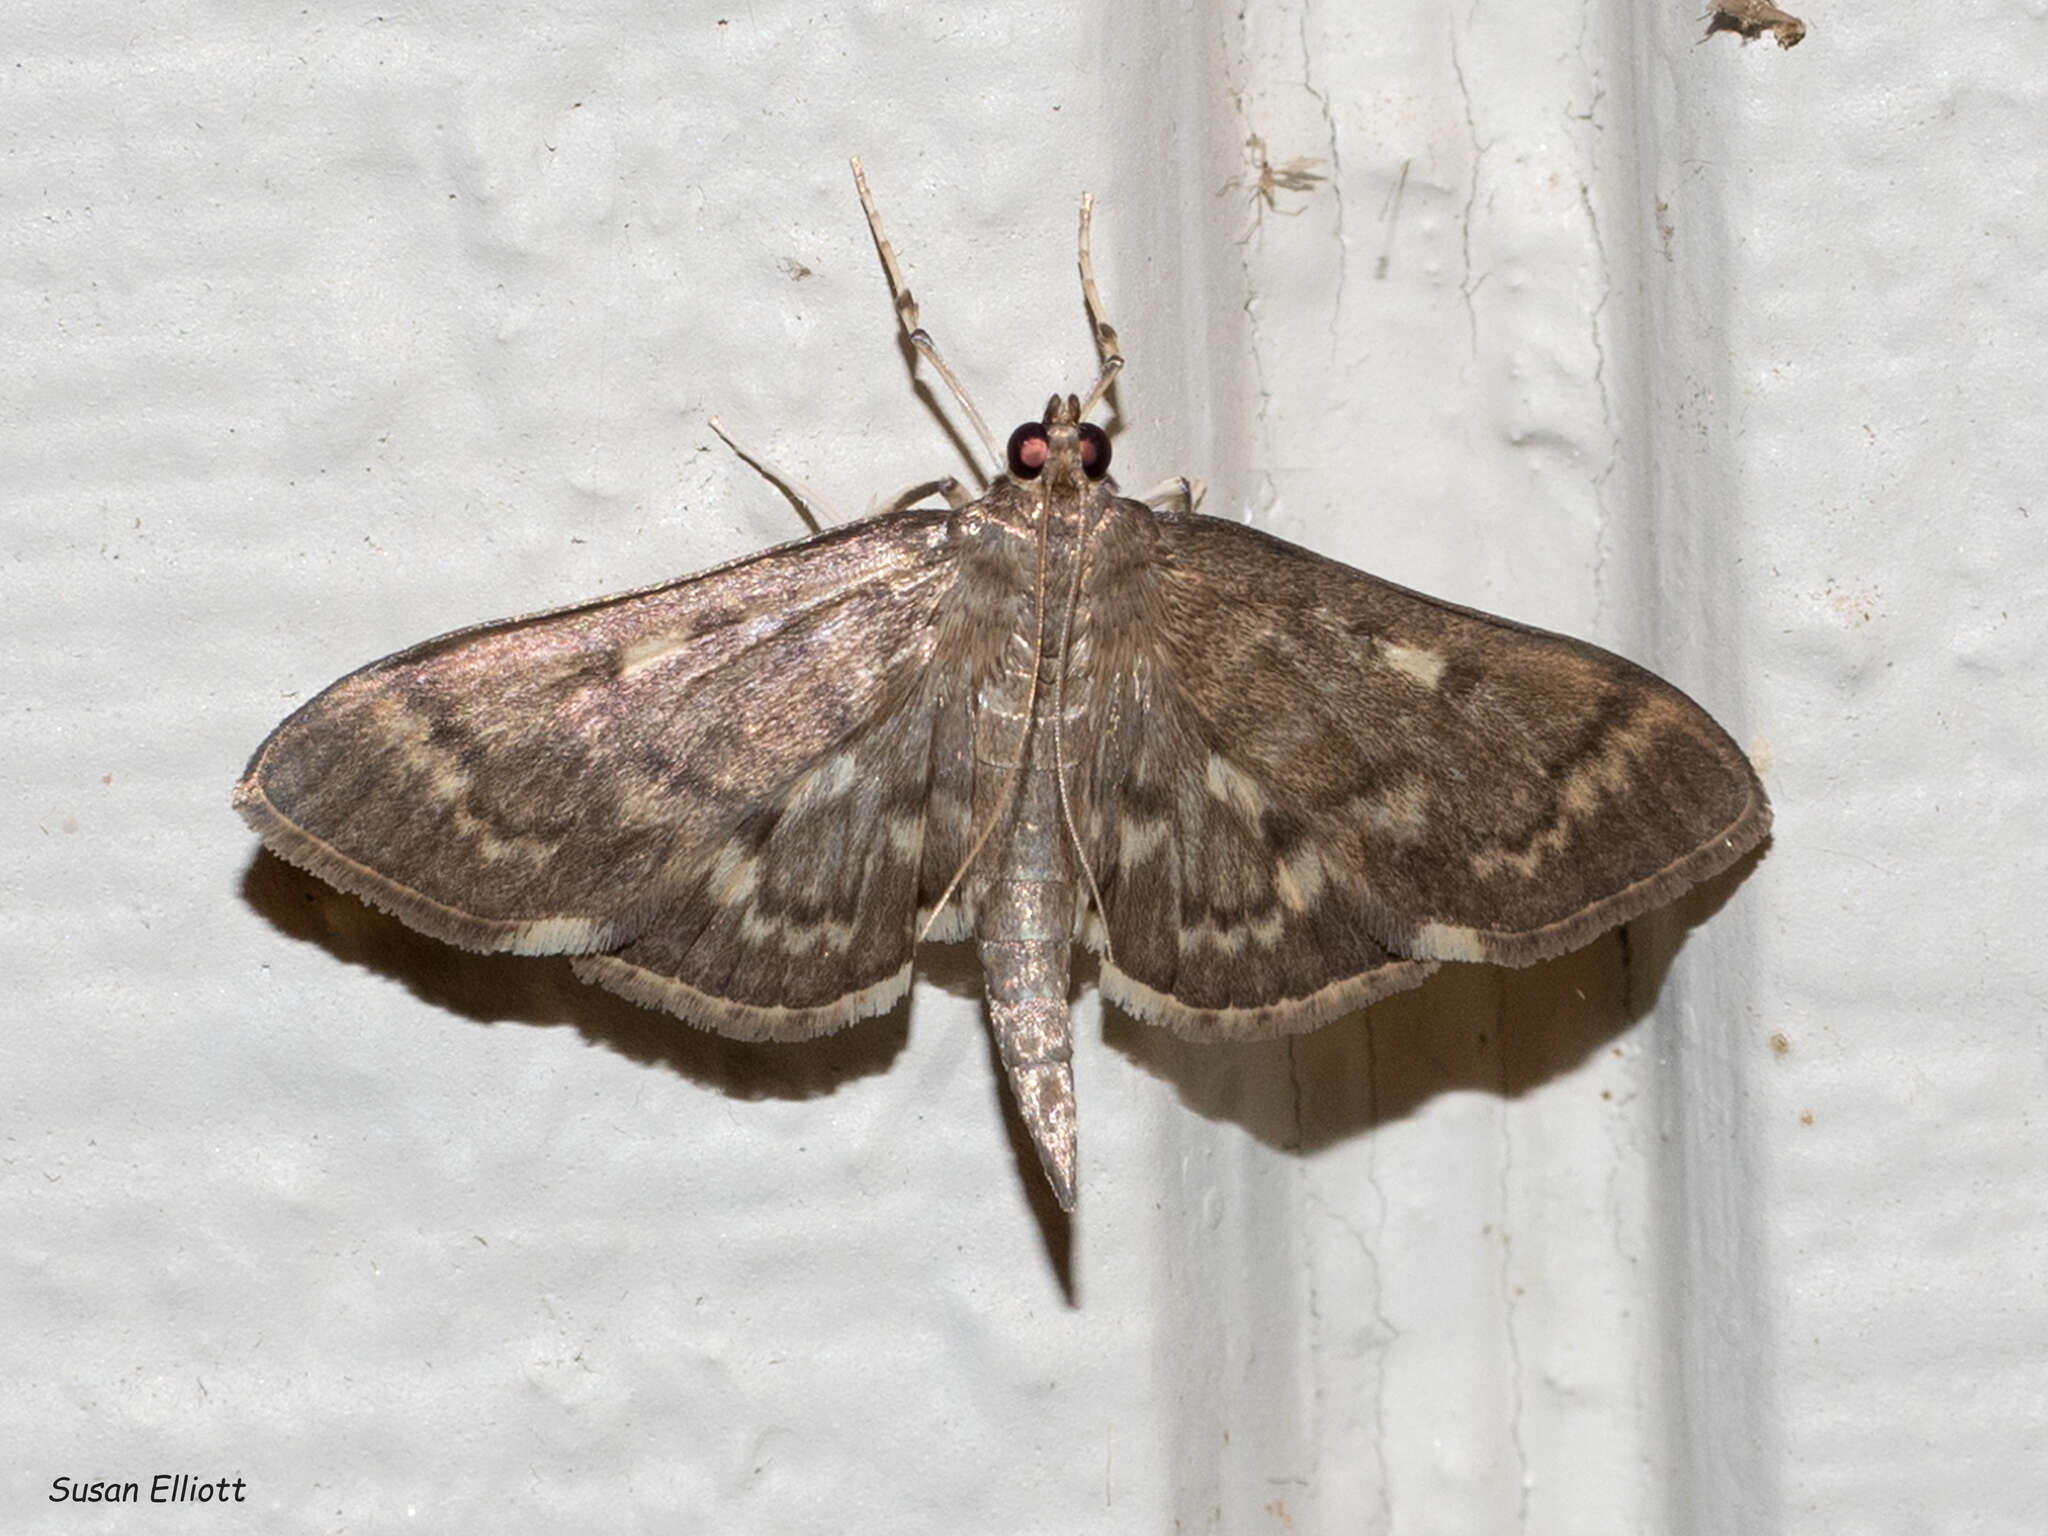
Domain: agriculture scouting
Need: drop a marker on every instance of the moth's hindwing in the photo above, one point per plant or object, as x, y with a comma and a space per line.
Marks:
1311, 785
725, 781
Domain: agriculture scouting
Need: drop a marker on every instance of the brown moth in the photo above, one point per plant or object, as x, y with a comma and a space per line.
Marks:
1751, 19
1266, 788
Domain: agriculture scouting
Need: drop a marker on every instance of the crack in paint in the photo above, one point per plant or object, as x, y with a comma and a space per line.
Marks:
1467, 284
1606, 288
1322, 99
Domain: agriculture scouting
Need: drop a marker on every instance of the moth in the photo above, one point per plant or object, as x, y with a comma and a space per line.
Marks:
1265, 788
1751, 19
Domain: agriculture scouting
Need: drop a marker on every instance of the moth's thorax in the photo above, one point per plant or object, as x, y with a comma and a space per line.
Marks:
1033, 546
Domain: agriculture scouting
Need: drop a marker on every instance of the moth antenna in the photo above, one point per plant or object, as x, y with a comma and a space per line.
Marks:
906, 314
801, 496
1017, 767
1105, 334
1059, 752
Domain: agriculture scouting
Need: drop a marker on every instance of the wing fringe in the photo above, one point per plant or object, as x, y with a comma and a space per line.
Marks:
1289, 1016
741, 1021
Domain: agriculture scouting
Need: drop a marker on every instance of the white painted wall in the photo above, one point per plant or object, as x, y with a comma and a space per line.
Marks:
324, 332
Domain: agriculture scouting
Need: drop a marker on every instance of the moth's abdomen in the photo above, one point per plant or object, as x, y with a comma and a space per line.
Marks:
1026, 947
1024, 925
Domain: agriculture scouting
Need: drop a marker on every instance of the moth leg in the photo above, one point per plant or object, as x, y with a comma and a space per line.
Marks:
955, 494
800, 495
1105, 334
906, 314
1180, 495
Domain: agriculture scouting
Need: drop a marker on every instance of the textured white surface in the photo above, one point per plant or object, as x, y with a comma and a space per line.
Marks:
324, 333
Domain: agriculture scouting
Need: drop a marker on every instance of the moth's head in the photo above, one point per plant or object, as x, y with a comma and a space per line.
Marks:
1063, 448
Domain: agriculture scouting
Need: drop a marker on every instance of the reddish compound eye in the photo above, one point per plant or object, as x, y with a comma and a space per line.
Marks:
1028, 449
1094, 451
